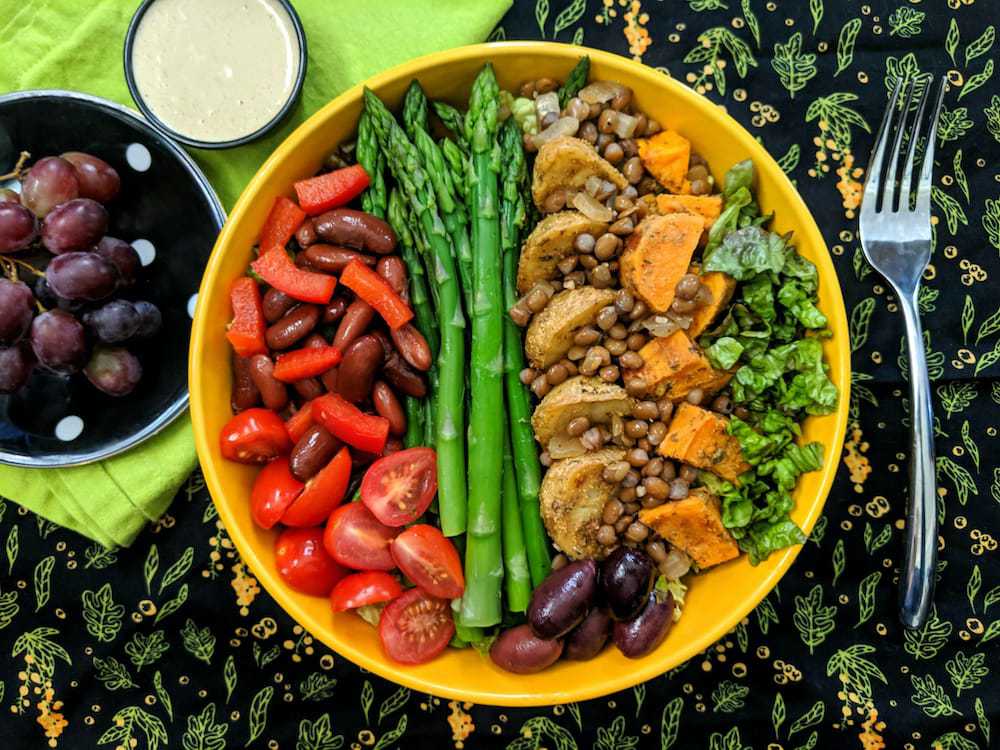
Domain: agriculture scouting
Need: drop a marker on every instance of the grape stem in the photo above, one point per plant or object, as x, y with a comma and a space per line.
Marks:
15, 174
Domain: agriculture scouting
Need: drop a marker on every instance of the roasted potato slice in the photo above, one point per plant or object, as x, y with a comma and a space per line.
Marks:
550, 334
550, 242
572, 500
567, 163
578, 397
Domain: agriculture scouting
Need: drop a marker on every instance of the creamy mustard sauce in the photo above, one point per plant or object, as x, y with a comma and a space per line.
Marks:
217, 70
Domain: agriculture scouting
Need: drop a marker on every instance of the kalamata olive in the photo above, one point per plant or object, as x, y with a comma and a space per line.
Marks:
561, 601
643, 633
626, 575
518, 650
588, 638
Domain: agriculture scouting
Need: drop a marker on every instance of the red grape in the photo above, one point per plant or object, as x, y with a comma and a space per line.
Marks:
58, 340
122, 256
18, 227
15, 367
81, 276
9, 196
76, 225
151, 320
17, 308
113, 323
114, 370
97, 178
48, 183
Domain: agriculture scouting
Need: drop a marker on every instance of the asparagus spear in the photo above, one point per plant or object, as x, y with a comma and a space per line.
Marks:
575, 81
454, 121
404, 162
423, 313
456, 159
517, 579
528, 472
449, 206
483, 559
373, 200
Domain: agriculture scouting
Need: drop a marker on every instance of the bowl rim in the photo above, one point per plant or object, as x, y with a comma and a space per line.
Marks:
644, 669
177, 407
260, 132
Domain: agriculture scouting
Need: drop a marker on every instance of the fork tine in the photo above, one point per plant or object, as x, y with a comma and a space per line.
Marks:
878, 151
889, 190
907, 178
924, 186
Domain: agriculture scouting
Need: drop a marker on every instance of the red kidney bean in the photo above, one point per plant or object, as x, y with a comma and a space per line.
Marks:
305, 235
392, 445
313, 451
358, 367
314, 341
357, 318
245, 393
333, 259
346, 226
276, 303
292, 326
303, 262
387, 405
335, 310
392, 269
272, 391
413, 346
329, 379
309, 388
399, 374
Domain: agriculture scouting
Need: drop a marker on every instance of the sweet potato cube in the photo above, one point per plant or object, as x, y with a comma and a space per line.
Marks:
722, 286
694, 525
698, 437
707, 206
666, 156
657, 255
674, 365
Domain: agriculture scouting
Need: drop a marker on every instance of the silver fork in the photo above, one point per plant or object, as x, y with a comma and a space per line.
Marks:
896, 239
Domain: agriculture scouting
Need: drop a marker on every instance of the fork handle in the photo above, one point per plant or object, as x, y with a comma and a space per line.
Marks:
916, 582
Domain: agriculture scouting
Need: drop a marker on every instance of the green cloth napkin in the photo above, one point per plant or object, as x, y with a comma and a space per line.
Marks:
71, 45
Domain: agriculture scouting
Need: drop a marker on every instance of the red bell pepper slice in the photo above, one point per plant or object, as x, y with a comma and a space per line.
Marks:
366, 432
330, 190
284, 219
305, 363
377, 292
278, 270
246, 332
300, 421
322, 493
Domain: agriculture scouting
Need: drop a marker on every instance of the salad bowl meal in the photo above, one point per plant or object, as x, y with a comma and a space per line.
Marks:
519, 374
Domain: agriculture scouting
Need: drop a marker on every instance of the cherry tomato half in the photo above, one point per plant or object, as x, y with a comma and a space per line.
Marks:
359, 589
356, 539
399, 488
322, 493
254, 436
274, 491
303, 563
428, 559
415, 627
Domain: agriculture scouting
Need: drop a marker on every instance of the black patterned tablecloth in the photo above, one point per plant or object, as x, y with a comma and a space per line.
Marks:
172, 643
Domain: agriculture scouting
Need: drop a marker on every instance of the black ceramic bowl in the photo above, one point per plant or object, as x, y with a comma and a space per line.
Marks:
133, 88
168, 210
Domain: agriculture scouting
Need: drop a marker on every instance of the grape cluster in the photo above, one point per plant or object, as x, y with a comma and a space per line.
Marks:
70, 320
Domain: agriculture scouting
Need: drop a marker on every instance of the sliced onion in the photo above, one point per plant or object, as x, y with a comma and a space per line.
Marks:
592, 208
593, 185
562, 127
565, 446
659, 325
546, 103
625, 125
599, 92
676, 565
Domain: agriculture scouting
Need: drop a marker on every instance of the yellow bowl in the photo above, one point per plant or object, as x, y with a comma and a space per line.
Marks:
717, 599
